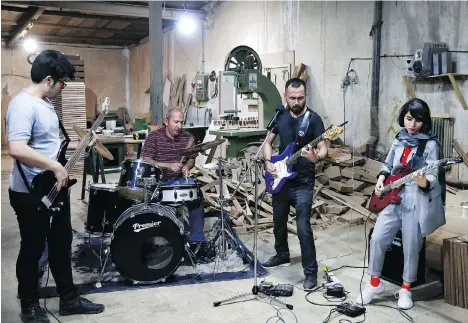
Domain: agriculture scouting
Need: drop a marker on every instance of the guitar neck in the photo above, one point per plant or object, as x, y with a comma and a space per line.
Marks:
83, 144
407, 178
291, 160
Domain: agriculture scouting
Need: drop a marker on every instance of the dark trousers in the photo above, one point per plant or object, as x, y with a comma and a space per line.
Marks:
35, 227
299, 196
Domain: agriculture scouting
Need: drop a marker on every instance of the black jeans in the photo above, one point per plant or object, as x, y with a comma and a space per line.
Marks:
35, 227
300, 196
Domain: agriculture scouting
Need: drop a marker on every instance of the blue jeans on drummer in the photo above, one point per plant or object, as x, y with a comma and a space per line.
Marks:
196, 211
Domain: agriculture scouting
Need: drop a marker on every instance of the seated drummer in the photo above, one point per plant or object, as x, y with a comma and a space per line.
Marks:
163, 148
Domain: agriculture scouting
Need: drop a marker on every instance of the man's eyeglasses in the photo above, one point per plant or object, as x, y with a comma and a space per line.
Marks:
64, 85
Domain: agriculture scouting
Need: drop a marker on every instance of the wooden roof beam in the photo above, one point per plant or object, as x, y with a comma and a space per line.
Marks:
79, 28
22, 30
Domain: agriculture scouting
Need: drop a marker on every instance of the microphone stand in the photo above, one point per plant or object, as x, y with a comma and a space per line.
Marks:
270, 127
257, 294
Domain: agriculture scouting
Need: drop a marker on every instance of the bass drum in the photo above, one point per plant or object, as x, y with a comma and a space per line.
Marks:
148, 243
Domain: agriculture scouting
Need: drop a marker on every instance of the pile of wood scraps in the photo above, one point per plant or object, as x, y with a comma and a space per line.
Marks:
343, 187
300, 72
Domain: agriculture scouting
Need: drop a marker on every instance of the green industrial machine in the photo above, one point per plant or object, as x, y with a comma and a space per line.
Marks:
243, 69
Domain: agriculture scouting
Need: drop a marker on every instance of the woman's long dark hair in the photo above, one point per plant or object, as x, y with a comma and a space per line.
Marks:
418, 110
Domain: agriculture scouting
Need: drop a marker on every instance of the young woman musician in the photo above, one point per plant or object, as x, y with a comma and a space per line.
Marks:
421, 210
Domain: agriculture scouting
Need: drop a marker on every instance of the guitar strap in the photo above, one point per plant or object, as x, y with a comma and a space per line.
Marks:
20, 169
421, 147
303, 128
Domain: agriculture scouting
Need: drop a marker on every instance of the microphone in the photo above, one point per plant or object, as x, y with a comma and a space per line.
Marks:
272, 124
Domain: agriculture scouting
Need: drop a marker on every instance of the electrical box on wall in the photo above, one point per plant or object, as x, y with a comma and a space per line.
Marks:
201, 87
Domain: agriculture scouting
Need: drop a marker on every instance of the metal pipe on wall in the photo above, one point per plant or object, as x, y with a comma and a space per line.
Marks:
203, 46
376, 33
126, 55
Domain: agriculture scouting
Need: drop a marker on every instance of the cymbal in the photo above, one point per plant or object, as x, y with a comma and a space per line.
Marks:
100, 148
202, 147
226, 166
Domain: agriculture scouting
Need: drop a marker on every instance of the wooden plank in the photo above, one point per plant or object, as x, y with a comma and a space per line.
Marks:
459, 265
465, 274
291, 228
345, 200
409, 87
262, 204
237, 205
333, 173
447, 272
457, 91
341, 187
25, 27
460, 152
453, 275
359, 174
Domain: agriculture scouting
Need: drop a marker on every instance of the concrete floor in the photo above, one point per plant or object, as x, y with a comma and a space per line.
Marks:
193, 303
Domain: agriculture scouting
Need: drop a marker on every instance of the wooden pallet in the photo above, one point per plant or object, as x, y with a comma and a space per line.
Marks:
70, 106
79, 67
455, 257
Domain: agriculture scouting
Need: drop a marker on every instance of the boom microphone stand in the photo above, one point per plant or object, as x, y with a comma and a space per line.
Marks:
257, 294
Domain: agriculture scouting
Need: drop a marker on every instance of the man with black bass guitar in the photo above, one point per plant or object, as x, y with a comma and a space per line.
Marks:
34, 143
296, 124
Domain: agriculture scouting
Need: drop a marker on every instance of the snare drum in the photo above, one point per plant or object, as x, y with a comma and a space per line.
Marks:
178, 194
104, 207
137, 177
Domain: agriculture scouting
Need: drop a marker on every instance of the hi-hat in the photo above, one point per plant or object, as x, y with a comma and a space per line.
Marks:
202, 147
225, 166
100, 148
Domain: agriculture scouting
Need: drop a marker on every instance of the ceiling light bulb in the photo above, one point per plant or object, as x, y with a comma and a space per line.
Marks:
186, 24
30, 45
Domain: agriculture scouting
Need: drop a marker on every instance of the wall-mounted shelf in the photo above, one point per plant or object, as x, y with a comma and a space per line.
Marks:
452, 77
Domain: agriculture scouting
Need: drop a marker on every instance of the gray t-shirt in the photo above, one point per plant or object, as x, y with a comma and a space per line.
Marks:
32, 119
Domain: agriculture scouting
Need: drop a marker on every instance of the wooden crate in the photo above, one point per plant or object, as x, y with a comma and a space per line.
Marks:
455, 257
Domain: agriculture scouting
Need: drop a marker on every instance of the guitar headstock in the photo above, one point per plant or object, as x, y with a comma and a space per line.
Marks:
105, 105
451, 160
334, 131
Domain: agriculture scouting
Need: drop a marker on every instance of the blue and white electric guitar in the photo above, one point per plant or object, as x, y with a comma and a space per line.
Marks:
283, 163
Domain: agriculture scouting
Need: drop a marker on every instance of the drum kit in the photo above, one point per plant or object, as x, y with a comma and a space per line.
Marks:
147, 222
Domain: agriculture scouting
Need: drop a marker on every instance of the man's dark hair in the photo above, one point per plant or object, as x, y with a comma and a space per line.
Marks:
295, 83
418, 110
53, 63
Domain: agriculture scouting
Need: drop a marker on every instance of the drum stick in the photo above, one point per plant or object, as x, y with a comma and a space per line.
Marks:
182, 159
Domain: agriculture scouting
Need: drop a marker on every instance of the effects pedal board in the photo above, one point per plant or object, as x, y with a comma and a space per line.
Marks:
350, 310
269, 289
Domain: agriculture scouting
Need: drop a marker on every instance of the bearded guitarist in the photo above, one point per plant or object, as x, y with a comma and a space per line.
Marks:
34, 143
301, 125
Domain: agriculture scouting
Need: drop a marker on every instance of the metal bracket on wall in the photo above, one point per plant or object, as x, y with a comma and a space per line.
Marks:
451, 77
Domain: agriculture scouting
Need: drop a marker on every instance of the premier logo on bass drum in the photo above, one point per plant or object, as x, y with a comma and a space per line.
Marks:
137, 227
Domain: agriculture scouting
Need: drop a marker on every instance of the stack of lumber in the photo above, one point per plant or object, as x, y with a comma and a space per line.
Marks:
70, 105
456, 271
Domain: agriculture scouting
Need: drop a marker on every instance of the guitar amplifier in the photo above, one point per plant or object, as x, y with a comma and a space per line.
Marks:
392, 269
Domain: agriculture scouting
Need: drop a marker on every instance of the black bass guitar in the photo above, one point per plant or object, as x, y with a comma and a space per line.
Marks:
43, 185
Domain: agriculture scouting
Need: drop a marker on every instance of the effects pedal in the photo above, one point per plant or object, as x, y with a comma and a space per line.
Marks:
283, 290
336, 291
350, 310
